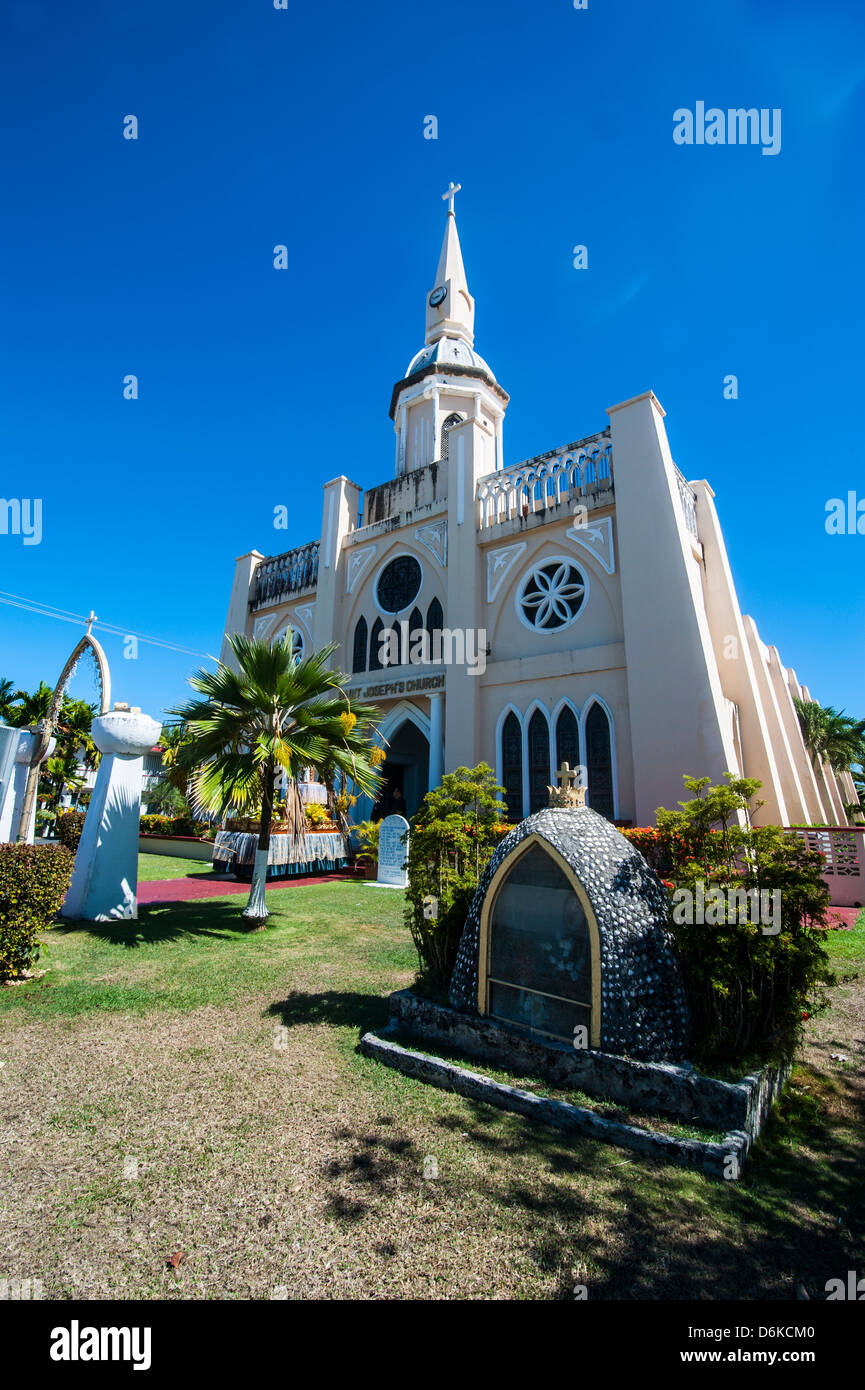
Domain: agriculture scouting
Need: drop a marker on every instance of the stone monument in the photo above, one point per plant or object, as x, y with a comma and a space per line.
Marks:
393, 852
567, 937
105, 878
16, 756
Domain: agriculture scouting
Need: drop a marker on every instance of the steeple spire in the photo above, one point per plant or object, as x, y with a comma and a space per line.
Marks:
450, 308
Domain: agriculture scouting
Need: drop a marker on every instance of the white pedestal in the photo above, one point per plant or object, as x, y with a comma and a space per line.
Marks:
105, 879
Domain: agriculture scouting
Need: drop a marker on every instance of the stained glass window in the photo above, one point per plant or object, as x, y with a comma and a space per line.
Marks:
358, 657
512, 767
539, 762
375, 645
567, 739
599, 762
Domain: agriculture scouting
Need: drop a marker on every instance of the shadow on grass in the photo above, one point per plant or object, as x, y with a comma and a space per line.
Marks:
338, 1008
648, 1230
158, 922
374, 1166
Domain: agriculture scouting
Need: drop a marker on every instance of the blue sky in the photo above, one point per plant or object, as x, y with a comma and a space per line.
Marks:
305, 127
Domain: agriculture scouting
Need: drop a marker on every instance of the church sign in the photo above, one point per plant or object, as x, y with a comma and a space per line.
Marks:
407, 687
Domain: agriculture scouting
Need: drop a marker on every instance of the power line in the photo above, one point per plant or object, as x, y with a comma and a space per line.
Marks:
47, 610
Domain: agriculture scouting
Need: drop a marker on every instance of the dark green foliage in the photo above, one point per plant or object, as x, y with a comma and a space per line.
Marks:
33, 883
750, 986
452, 839
69, 825
186, 826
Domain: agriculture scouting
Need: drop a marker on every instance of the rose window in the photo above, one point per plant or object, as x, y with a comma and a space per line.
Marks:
552, 596
399, 584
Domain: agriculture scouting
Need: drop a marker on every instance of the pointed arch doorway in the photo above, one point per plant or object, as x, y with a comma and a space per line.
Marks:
405, 771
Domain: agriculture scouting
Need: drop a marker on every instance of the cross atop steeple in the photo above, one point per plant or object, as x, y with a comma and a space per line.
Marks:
452, 191
91, 619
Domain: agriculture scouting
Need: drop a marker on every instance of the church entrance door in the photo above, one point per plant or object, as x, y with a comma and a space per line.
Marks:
405, 772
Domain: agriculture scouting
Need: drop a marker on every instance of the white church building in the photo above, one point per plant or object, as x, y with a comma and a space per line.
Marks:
579, 605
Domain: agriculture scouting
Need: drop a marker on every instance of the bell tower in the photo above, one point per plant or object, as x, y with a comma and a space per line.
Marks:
447, 382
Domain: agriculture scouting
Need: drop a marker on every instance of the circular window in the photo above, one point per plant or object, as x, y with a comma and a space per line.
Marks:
399, 584
297, 643
551, 596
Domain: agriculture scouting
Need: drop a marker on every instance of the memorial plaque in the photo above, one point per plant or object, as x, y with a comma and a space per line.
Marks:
393, 852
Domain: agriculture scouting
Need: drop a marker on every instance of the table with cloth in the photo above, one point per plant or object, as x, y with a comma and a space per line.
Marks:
320, 852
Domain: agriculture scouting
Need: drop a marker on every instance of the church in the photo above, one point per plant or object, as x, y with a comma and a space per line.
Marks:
576, 607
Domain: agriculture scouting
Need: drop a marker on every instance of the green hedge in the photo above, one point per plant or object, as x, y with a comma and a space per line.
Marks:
69, 826
178, 825
33, 883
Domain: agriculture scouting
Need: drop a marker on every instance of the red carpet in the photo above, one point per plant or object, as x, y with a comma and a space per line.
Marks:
182, 890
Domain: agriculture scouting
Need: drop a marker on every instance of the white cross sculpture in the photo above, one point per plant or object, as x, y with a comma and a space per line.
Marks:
453, 189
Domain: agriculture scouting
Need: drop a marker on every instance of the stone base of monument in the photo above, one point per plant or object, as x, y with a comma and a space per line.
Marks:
737, 1111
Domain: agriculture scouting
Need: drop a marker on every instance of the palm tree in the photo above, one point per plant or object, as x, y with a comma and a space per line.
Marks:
30, 708
173, 740
7, 694
62, 770
830, 735
275, 713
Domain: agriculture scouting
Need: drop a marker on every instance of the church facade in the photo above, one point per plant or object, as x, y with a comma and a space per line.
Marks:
576, 607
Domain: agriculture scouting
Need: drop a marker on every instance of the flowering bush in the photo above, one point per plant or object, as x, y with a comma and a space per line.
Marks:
178, 825
750, 984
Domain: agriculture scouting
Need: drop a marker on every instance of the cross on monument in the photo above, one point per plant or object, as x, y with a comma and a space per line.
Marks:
91, 619
453, 189
567, 776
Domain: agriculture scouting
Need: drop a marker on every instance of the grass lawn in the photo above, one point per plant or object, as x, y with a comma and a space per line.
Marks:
156, 866
182, 1085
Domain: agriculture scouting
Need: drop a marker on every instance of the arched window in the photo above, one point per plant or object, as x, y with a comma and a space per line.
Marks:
538, 968
599, 762
375, 645
539, 762
447, 426
567, 739
361, 636
415, 624
512, 767
435, 618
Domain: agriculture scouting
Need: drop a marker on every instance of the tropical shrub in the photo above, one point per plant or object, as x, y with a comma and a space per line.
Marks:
33, 883
751, 975
367, 832
69, 826
451, 842
186, 826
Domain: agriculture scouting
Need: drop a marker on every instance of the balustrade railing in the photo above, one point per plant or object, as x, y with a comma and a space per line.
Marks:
280, 575
584, 469
688, 503
843, 851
